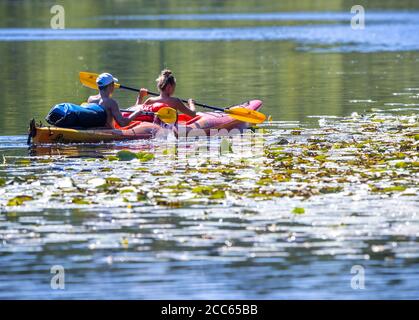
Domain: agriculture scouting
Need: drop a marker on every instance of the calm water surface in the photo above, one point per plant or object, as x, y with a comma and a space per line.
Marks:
305, 63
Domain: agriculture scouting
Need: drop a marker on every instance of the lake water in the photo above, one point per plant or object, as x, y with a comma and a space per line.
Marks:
164, 230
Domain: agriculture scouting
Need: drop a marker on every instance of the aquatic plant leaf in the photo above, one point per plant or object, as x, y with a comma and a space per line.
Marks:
141, 196
169, 151
23, 162
264, 181
144, 156
218, 194
126, 191
298, 210
394, 188
331, 189
113, 180
388, 189
126, 155
19, 200
49, 160
401, 164
78, 200
205, 190
320, 158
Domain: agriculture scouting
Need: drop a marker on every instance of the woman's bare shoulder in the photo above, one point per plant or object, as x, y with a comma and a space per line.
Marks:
152, 100
177, 101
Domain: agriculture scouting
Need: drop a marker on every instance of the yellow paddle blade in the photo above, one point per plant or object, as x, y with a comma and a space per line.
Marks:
88, 79
246, 115
168, 115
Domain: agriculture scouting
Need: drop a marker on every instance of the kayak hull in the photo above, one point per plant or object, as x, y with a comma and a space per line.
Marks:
202, 124
63, 135
219, 120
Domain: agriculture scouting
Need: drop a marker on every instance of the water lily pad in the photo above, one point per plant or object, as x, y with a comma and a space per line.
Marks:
169, 151
144, 156
320, 158
401, 164
126, 155
205, 190
19, 200
298, 210
78, 200
142, 196
218, 194
394, 188
210, 191
331, 189
23, 162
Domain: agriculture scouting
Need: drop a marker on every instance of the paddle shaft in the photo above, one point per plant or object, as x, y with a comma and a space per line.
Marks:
144, 113
241, 114
186, 101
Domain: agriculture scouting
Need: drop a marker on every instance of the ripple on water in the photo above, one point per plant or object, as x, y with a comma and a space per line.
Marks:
230, 224
402, 36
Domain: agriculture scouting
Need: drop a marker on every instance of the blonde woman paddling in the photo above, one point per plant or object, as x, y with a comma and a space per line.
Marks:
166, 83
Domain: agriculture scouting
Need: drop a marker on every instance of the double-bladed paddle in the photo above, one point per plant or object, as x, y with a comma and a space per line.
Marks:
88, 79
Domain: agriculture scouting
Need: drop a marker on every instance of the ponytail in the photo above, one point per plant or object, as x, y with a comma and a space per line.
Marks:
166, 77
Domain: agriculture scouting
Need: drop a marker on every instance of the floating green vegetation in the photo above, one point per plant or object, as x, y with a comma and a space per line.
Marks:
144, 156
331, 189
368, 155
79, 200
19, 200
23, 162
388, 189
126, 155
212, 192
298, 210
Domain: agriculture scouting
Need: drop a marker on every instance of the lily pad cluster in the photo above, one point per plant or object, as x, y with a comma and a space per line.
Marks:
373, 154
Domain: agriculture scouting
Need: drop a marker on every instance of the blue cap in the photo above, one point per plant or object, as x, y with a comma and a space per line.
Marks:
104, 79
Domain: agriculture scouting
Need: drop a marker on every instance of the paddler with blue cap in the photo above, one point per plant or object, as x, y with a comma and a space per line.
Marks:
106, 84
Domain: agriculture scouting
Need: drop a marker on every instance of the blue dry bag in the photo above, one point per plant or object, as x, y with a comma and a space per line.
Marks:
68, 115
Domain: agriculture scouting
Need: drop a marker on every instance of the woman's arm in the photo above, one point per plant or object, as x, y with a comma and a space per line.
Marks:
141, 95
184, 109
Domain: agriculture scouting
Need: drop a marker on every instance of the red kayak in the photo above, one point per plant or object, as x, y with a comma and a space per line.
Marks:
201, 124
